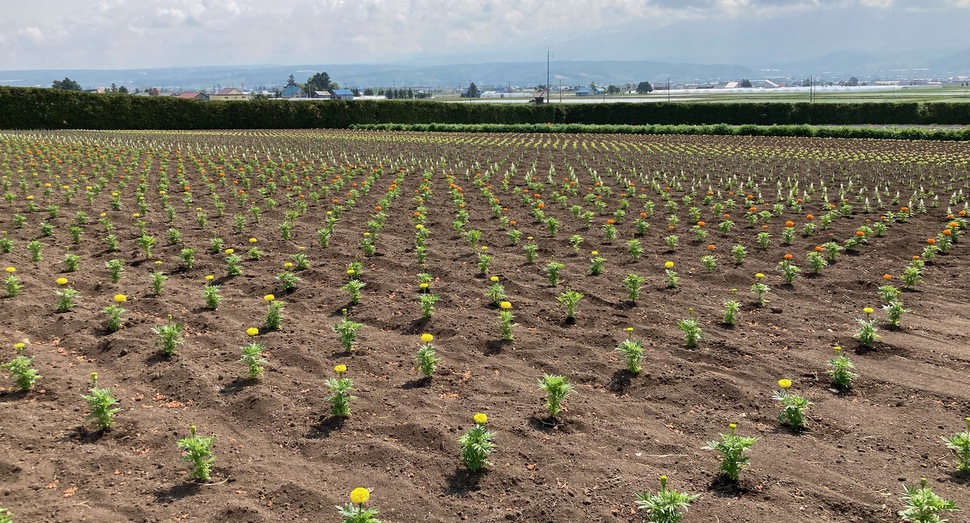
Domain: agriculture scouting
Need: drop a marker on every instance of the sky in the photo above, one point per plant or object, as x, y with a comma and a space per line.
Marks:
124, 34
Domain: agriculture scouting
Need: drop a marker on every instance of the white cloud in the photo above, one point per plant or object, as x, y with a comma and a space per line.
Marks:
32, 33
180, 32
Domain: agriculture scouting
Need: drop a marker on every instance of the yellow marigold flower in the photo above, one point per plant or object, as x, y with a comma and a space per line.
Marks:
19, 345
209, 277
868, 310
252, 240
61, 281
784, 383
121, 298
427, 338
351, 272
359, 495
528, 238
629, 330
484, 247
493, 278
230, 251
104, 214
669, 264
30, 197
505, 305
595, 253
423, 285
252, 331
759, 276
287, 265
419, 226
366, 234
480, 418
269, 297
340, 368
733, 426
11, 270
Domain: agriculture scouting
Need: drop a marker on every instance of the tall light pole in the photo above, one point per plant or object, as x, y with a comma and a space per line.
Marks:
548, 85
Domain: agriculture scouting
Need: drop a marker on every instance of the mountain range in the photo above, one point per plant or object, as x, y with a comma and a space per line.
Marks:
915, 64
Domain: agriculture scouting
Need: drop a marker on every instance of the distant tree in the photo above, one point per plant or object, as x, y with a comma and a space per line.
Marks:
807, 82
613, 89
290, 81
334, 85
853, 81
644, 88
355, 91
410, 94
260, 96
472, 92
123, 90
66, 84
745, 83
113, 88
369, 92
319, 82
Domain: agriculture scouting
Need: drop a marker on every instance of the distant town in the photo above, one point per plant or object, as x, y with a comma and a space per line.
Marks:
321, 87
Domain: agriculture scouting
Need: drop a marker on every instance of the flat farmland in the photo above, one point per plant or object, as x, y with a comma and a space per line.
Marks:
156, 222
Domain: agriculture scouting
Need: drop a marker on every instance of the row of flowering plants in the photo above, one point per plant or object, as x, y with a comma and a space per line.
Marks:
505, 261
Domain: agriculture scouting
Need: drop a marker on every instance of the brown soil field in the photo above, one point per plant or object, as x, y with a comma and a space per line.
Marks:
281, 456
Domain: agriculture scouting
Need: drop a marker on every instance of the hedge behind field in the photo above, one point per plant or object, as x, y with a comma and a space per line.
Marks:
33, 108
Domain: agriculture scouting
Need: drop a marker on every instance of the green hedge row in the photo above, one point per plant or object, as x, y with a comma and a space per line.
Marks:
909, 133
32, 108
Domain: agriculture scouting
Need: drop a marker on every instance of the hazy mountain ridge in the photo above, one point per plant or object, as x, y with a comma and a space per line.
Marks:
833, 67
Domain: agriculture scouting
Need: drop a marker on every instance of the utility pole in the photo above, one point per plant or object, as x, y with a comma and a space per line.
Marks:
548, 77
668, 88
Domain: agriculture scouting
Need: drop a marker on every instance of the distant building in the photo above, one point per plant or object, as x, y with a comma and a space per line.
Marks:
229, 93
194, 95
322, 95
589, 91
343, 94
293, 91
